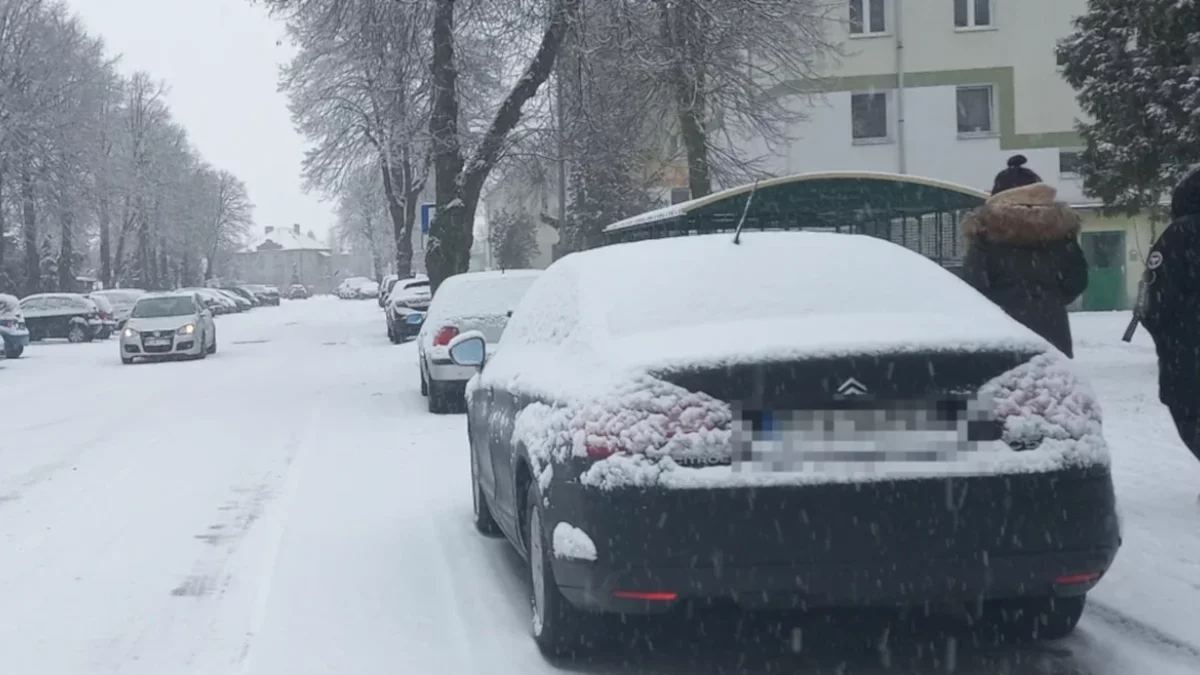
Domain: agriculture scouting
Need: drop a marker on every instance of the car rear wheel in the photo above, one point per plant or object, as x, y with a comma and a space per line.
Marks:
77, 334
212, 349
558, 627
440, 402
14, 352
484, 522
1033, 619
424, 385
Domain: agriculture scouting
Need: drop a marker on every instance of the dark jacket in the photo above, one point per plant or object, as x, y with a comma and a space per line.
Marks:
1172, 311
1023, 253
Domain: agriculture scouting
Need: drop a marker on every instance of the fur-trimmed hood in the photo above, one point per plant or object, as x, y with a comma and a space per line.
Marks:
1023, 216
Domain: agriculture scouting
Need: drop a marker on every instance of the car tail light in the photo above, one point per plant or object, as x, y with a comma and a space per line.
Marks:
444, 336
650, 596
602, 451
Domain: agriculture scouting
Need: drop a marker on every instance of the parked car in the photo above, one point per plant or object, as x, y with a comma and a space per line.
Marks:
166, 325
405, 307
268, 295
385, 287
240, 304
786, 433
216, 303
13, 332
107, 316
474, 301
349, 288
61, 315
121, 299
244, 294
297, 292
368, 290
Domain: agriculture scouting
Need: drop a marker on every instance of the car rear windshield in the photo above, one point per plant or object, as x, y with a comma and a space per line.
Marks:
484, 297
153, 308
119, 298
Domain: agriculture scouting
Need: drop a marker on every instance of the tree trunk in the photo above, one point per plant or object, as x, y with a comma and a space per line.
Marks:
440, 252
105, 217
66, 252
396, 211
3, 220
458, 190
33, 267
683, 28
122, 239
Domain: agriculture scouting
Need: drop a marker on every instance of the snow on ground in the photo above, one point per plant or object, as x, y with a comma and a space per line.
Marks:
287, 507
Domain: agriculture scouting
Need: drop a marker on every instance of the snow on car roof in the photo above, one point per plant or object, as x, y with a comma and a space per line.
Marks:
780, 295
611, 313
480, 293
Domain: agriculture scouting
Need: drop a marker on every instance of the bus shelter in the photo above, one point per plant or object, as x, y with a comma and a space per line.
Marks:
921, 214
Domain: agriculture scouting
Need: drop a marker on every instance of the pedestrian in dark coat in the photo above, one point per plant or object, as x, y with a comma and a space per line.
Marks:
1172, 311
1023, 253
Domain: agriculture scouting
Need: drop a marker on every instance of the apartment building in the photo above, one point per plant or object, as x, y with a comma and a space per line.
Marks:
950, 89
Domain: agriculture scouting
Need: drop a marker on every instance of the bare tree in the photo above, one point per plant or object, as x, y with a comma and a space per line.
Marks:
358, 89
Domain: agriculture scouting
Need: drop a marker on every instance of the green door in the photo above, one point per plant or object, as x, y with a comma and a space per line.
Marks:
1105, 252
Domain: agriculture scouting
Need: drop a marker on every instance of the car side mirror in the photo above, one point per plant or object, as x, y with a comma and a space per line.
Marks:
468, 349
510, 313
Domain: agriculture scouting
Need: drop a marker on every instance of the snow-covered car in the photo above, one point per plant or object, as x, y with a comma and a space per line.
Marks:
385, 287
368, 290
473, 301
121, 299
405, 307
108, 315
61, 315
217, 303
798, 420
14, 335
349, 288
244, 294
240, 304
297, 292
267, 295
168, 325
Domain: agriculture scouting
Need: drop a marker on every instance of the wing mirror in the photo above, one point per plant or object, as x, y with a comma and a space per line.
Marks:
510, 313
468, 349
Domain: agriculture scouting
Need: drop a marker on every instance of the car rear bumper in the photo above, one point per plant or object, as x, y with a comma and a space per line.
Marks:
943, 582
445, 370
14, 339
838, 546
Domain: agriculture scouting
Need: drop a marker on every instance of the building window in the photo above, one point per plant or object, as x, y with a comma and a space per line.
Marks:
869, 117
1069, 162
868, 17
972, 13
975, 111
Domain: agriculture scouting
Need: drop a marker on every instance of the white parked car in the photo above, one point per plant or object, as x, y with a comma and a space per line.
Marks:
474, 301
163, 325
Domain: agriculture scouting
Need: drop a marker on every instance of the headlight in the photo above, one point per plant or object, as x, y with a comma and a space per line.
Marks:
187, 330
129, 333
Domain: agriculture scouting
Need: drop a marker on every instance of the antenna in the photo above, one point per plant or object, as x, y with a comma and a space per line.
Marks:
737, 234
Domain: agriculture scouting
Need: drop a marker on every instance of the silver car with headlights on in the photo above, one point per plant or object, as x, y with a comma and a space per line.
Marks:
168, 325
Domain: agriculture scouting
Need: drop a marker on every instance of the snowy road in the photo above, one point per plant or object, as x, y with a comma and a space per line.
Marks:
287, 507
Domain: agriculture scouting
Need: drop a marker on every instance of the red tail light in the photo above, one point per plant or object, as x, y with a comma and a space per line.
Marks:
444, 336
601, 451
1084, 578
651, 596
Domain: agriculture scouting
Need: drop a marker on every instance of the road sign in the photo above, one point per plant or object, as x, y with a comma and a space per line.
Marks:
427, 217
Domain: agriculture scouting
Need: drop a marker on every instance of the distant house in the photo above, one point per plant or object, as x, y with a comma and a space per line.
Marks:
283, 257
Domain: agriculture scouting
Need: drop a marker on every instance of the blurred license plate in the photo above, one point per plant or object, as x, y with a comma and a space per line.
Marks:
415, 319
158, 342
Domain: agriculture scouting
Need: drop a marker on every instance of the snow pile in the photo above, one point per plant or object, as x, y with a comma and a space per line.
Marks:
1047, 407
572, 543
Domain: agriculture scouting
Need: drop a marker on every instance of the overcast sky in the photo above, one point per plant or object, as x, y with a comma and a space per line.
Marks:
220, 61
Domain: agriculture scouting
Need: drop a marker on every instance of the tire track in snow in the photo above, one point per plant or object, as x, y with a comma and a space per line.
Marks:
1142, 631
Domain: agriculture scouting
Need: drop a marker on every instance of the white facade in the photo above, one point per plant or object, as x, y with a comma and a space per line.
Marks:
999, 78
